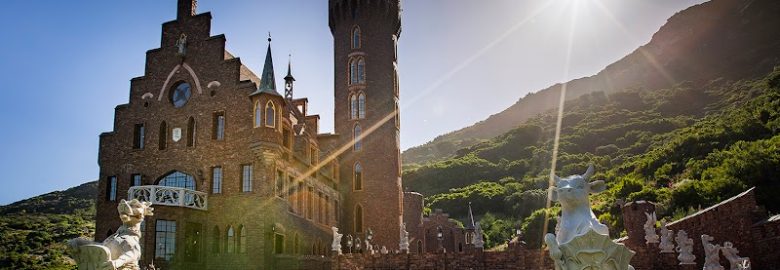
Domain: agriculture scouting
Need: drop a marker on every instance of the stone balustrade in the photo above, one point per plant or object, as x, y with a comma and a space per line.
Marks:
169, 196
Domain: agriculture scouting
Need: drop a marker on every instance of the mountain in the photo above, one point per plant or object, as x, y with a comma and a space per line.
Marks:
33, 231
683, 147
719, 39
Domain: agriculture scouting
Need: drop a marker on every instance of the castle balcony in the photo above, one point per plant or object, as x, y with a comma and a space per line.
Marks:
169, 196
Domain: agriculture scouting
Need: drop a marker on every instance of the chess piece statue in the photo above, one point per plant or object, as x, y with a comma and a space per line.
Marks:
666, 239
711, 253
650, 236
404, 235
684, 248
121, 250
479, 241
737, 262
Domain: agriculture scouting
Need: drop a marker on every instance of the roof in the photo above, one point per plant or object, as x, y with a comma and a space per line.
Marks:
267, 79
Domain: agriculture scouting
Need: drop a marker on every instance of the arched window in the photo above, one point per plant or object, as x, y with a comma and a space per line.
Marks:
357, 131
178, 179
163, 139
353, 107
230, 241
361, 105
191, 132
358, 218
357, 180
258, 115
361, 71
296, 245
353, 76
356, 38
242, 239
216, 237
270, 114
419, 247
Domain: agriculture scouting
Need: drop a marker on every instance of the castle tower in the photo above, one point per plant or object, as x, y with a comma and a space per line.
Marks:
365, 35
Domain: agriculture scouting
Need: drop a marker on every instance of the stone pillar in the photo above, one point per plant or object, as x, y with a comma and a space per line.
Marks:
634, 219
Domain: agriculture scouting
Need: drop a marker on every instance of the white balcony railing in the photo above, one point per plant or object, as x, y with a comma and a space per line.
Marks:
170, 196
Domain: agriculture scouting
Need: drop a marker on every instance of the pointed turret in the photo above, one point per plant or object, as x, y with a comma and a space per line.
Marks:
471, 219
267, 79
288, 82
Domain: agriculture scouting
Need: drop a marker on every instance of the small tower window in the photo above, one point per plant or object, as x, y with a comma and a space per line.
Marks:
246, 178
362, 105
358, 177
231, 241
163, 138
216, 180
258, 116
353, 106
356, 38
111, 188
139, 134
216, 237
270, 114
191, 132
361, 71
353, 79
242, 239
219, 126
358, 218
358, 144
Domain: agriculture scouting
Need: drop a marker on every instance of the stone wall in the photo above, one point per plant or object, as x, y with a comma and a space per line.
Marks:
514, 259
738, 220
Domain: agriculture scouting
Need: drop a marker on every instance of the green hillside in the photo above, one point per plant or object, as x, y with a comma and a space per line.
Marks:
727, 39
684, 147
33, 231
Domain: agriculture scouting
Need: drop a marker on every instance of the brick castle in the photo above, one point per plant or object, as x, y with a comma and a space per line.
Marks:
238, 172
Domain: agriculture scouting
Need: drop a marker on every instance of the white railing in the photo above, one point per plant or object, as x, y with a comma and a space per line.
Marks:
170, 196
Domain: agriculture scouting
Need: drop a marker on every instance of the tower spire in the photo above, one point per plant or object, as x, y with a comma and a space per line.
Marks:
288, 81
186, 8
267, 79
471, 224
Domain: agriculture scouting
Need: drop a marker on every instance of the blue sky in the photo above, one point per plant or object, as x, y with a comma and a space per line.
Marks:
65, 65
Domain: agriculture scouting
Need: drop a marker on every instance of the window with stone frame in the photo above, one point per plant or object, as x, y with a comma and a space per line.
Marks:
163, 136
136, 180
361, 105
357, 141
216, 180
357, 179
353, 107
218, 130
301, 199
280, 184
356, 37
357, 70
216, 238
191, 132
310, 203
111, 188
270, 114
139, 136
178, 179
230, 240
165, 239
278, 243
246, 178
241, 239
361, 70
358, 219
258, 114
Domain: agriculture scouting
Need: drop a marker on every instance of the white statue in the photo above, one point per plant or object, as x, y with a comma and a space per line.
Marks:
404, 235
181, 45
684, 248
121, 250
666, 245
479, 241
384, 250
650, 236
711, 253
336, 245
369, 247
737, 262
573, 193
582, 242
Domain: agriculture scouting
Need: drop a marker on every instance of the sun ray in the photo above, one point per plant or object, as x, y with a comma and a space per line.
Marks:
559, 120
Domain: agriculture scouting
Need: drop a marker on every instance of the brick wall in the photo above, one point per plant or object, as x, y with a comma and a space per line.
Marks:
514, 259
